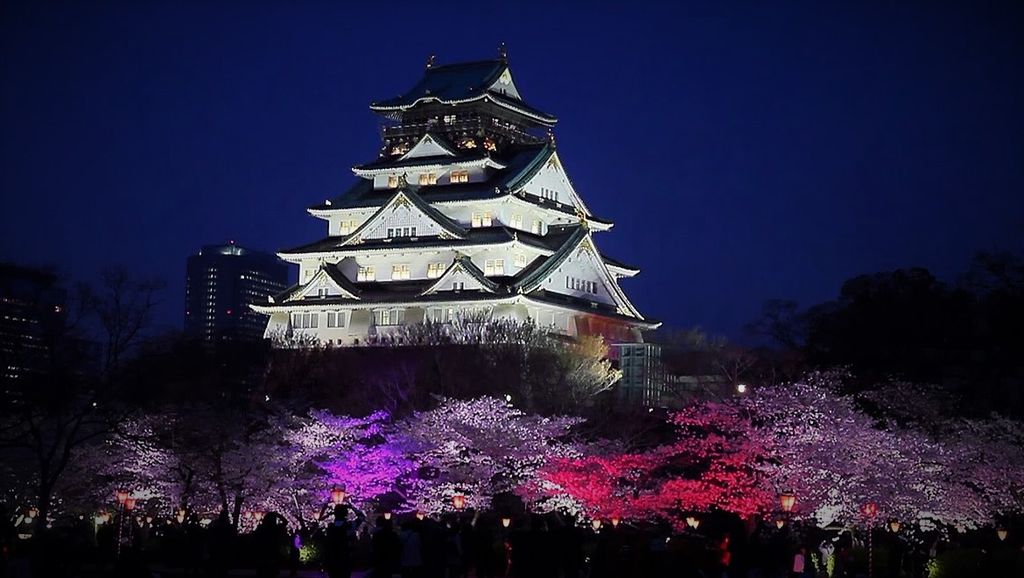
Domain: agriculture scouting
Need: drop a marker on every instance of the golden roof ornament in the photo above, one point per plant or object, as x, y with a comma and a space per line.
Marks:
503, 52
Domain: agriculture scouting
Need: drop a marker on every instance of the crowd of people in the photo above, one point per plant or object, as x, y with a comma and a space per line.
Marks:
348, 543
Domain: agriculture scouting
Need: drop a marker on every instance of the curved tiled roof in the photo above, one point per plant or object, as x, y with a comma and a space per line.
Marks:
461, 82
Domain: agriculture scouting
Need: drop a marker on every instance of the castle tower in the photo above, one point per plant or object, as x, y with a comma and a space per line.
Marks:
466, 211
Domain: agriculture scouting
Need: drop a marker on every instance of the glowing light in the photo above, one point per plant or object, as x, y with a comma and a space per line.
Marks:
870, 509
459, 501
693, 522
338, 495
780, 523
595, 524
387, 515
741, 388
121, 496
894, 525
506, 522
1002, 533
615, 521
787, 500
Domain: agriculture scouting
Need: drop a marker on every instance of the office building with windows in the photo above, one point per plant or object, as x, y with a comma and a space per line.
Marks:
222, 281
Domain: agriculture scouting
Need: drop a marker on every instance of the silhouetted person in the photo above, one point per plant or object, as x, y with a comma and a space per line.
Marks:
270, 539
386, 548
338, 544
222, 541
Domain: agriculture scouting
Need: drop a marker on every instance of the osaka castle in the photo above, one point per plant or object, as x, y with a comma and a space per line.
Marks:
466, 213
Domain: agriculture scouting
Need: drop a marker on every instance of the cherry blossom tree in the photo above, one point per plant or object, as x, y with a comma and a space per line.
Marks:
478, 448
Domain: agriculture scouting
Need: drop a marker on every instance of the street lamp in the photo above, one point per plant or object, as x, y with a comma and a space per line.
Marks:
506, 522
338, 495
870, 509
615, 521
787, 500
459, 501
741, 388
894, 525
596, 524
779, 523
1002, 533
693, 522
420, 515
387, 515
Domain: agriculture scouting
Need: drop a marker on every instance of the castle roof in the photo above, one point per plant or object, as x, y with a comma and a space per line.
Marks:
462, 83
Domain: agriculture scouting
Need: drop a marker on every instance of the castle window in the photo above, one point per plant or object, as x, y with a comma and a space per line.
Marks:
388, 316
321, 292
392, 181
459, 177
428, 179
482, 219
467, 143
366, 274
346, 227
435, 270
332, 319
520, 260
494, 267
458, 285
400, 272
305, 320
537, 228
516, 222
449, 118
401, 232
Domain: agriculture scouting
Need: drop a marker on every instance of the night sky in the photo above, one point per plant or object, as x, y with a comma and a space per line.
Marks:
744, 151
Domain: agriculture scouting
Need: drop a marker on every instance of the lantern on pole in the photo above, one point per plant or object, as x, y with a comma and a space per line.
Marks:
459, 501
615, 521
387, 515
693, 522
420, 515
595, 524
780, 523
1002, 533
787, 500
338, 495
506, 522
894, 525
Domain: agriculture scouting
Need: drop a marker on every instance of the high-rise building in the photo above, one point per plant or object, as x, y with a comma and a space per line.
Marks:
643, 377
222, 281
32, 315
467, 211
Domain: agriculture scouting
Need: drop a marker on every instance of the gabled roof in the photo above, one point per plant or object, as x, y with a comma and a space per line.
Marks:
462, 265
409, 197
430, 145
548, 155
327, 275
461, 83
534, 279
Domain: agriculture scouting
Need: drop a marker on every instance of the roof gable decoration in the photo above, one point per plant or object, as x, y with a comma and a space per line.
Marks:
580, 247
405, 211
325, 284
504, 85
429, 146
462, 275
545, 173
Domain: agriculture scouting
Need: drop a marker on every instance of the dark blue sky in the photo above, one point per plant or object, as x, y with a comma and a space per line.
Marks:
745, 150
